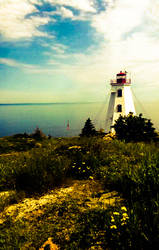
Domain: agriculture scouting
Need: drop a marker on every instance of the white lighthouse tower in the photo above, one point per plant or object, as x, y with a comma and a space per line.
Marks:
121, 101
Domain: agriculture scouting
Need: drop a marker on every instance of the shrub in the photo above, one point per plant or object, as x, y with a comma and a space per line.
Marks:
134, 128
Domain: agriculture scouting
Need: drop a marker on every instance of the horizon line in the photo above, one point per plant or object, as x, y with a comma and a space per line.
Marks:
47, 103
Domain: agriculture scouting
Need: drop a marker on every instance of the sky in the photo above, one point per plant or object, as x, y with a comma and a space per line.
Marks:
68, 50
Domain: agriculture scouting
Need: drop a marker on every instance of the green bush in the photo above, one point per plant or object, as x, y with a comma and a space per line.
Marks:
134, 128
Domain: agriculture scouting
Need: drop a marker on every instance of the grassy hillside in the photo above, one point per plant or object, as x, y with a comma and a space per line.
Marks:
81, 193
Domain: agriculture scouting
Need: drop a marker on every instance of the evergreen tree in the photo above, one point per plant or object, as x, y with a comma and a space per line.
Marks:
134, 128
88, 129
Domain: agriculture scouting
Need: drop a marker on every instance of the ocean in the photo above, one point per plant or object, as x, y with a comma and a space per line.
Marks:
50, 118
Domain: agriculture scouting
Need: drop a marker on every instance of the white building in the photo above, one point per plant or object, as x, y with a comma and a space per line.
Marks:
121, 100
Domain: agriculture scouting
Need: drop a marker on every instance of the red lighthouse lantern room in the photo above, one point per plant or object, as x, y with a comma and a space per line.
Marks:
121, 77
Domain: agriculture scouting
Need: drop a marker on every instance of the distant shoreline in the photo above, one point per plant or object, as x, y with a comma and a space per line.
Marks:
49, 103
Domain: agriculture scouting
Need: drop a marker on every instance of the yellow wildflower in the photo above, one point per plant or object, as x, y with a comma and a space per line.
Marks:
116, 213
91, 177
124, 219
125, 215
72, 147
123, 208
112, 219
123, 223
113, 227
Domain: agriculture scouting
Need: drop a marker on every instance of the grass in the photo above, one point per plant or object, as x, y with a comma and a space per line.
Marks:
99, 193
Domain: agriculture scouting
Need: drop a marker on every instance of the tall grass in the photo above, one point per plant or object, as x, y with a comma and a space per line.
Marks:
132, 169
33, 171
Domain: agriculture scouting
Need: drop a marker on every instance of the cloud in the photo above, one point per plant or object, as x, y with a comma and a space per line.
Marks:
20, 19
8, 62
130, 41
17, 20
152, 19
14, 63
83, 5
93, 70
120, 18
61, 11
59, 48
66, 13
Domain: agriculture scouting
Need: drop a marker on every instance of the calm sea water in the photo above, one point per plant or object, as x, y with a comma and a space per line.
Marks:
50, 118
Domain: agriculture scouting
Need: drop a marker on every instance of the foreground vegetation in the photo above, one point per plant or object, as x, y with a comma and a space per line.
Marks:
84, 193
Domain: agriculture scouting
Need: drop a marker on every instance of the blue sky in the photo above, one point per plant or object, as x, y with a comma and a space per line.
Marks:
68, 50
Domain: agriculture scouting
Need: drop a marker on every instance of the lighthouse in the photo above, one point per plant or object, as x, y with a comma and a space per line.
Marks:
121, 100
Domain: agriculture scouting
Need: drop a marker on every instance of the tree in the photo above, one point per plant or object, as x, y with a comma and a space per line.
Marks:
134, 128
88, 129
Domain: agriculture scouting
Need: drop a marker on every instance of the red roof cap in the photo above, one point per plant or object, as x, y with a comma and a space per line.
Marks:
121, 73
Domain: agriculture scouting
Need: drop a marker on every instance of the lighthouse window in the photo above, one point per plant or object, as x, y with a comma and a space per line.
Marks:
119, 92
119, 108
